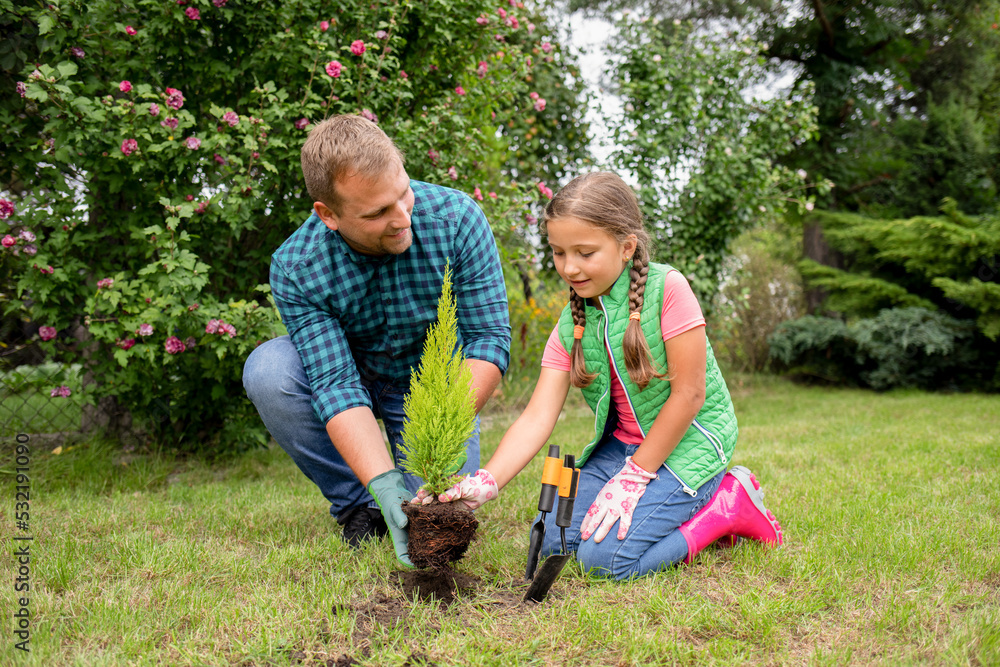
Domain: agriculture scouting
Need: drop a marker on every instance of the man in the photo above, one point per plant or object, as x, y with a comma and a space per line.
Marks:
357, 287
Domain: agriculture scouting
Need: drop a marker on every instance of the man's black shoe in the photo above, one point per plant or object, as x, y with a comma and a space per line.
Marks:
364, 523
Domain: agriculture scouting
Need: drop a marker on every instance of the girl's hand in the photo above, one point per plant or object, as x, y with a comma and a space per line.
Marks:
616, 502
473, 490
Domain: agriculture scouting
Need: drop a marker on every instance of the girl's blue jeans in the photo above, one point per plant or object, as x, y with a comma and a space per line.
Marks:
276, 382
653, 540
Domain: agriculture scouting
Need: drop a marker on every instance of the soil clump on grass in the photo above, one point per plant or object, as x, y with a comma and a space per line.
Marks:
440, 533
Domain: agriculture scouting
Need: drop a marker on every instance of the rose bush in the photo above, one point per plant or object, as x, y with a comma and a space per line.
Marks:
151, 150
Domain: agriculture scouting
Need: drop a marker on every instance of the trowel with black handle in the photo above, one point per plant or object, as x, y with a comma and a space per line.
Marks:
541, 583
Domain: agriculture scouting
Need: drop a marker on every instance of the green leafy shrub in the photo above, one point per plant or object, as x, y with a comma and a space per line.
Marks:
441, 406
817, 347
913, 347
151, 155
759, 292
899, 347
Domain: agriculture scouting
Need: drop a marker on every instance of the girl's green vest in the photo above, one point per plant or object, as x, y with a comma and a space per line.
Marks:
708, 444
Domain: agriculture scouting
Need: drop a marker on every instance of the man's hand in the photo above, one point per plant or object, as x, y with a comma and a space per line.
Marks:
616, 501
473, 490
389, 491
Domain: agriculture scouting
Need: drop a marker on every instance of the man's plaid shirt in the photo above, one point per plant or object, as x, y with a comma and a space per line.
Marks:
354, 316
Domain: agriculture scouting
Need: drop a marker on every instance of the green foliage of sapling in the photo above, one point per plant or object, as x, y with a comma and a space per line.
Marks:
440, 408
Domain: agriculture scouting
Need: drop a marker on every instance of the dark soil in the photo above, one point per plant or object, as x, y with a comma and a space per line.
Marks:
439, 584
439, 533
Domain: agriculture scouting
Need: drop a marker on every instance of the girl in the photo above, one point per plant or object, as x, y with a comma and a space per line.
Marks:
632, 338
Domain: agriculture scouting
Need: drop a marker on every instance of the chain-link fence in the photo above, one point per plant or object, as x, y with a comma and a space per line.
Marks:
35, 394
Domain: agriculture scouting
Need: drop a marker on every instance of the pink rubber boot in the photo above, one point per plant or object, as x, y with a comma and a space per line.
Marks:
736, 509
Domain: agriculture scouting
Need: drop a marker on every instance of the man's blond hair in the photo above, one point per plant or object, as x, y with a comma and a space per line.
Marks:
339, 147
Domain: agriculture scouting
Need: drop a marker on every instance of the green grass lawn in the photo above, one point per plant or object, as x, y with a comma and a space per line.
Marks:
890, 505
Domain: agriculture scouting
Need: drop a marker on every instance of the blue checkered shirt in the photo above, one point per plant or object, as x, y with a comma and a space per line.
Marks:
354, 317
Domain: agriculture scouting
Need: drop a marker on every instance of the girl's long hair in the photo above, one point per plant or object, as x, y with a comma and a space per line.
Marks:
604, 200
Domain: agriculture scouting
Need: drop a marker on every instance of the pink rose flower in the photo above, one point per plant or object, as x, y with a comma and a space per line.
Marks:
129, 145
21, 88
333, 68
547, 47
478, 194
212, 326
61, 391
492, 195
125, 86
129, 30
105, 283
125, 344
231, 118
193, 307
453, 173
531, 28
192, 13
220, 3
459, 90
203, 206
433, 155
175, 98
357, 47
502, 12
174, 345
301, 123
324, 25
540, 104
547, 192
170, 122
8, 241
6, 208
194, 143
227, 329
46, 270
145, 329
482, 68
47, 333
189, 342
367, 114
533, 95
218, 158
482, 20
403, 74
531, 219
154, 109
381, 34
30, 249
513, 23
77, 52
26, 235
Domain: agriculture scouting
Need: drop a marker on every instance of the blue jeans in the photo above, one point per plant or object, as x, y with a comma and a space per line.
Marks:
653, 540
276, 382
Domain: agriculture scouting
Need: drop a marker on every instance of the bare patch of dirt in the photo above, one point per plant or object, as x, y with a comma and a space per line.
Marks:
435, 583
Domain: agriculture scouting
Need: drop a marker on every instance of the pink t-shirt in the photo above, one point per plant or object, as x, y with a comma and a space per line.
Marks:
681, 312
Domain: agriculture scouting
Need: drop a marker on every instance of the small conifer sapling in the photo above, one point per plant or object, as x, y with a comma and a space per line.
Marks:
440, 417
440, 408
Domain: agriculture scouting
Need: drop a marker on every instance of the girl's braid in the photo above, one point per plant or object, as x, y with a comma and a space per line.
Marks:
634, 346
578, 375
640, 272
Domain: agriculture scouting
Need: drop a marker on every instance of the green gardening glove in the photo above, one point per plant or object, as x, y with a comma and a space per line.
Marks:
389, 491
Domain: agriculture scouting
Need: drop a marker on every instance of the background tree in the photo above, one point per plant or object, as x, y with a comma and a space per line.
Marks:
702, 143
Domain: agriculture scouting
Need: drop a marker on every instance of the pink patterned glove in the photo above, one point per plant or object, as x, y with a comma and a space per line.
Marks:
616, 502
473, 490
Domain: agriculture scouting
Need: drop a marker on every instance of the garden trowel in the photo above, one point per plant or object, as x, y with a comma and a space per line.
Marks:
553, 565
551, 474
